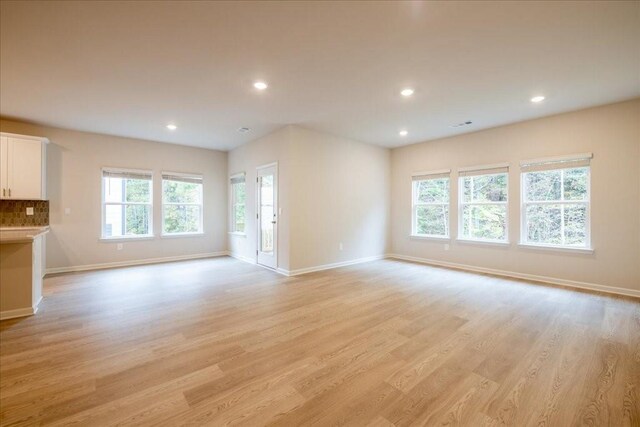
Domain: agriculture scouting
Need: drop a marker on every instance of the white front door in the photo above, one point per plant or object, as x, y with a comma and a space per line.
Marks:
267, 208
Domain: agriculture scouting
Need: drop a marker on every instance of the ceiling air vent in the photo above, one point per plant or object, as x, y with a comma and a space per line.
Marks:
459, 125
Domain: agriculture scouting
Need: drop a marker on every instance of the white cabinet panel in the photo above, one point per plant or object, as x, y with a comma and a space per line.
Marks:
25, 169
4, 169
22, 167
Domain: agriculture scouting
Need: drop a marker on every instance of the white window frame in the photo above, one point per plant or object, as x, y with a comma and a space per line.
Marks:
561, 163
149, 235
426, 176
233, 204
496, 169
201, 204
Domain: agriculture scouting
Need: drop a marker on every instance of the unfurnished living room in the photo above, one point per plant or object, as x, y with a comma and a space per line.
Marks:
292, 213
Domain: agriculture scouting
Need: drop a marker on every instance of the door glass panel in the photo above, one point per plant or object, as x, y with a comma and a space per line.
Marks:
266, 214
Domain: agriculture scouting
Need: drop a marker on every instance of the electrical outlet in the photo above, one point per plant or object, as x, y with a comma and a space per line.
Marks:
30, 210
446, 246
119, 246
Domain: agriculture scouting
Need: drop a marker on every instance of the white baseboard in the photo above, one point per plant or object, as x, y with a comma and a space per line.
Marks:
102, 266
523, 276
242, 258
37, 305
20, 312
328, 266
511, 274
253, 261
297, 272
283, 271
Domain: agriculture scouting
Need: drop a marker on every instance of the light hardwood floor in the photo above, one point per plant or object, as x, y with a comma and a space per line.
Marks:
219, 341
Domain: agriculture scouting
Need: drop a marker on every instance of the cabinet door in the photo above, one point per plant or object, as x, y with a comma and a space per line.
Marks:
4, 166
25, 168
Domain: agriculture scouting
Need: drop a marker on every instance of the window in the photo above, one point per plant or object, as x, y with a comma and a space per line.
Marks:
556, 202
238, 198
181, 203
483, 204
431, 204
126, 203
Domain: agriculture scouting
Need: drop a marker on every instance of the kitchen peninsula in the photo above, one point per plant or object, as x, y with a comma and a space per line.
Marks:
21, 270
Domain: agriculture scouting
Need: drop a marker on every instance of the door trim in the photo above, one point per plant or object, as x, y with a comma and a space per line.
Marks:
276, 210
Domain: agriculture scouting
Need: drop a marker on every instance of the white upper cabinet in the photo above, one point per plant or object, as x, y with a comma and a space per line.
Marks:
22, 167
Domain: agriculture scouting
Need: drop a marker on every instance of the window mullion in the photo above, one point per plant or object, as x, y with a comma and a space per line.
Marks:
124, 209
472, 197
446, 219
481, 203
427, 204
128, 203
562, 223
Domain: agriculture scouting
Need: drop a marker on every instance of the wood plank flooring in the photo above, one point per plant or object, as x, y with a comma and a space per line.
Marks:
219, 341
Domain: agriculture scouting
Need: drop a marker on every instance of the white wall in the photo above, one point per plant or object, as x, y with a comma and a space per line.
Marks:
274, 147
74, 162
611, 133
334, 190
339, 194
331, 190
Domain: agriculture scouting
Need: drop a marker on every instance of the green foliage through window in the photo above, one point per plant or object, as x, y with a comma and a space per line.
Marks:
238, 203
556, 207
182, 205
484, 207
431, 207
127, 206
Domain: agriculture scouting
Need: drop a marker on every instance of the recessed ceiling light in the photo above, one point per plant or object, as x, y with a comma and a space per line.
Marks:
244, 130
538, 98
403, 133
407, 92
260, 85
171, 126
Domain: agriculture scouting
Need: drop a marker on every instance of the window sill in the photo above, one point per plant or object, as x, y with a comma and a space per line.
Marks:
557, 248
178, 235
127, 238
484, 242
237, 233
423, 237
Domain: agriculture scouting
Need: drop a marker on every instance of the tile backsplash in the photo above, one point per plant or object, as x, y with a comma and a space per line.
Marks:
13, 213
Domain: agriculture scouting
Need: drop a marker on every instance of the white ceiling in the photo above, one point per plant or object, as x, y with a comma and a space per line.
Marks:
128, 69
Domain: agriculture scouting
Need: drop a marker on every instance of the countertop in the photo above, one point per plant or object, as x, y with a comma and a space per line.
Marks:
21, 234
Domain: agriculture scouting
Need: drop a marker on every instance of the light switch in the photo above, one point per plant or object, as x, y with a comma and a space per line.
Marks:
67, 211
119, 246
30, 210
